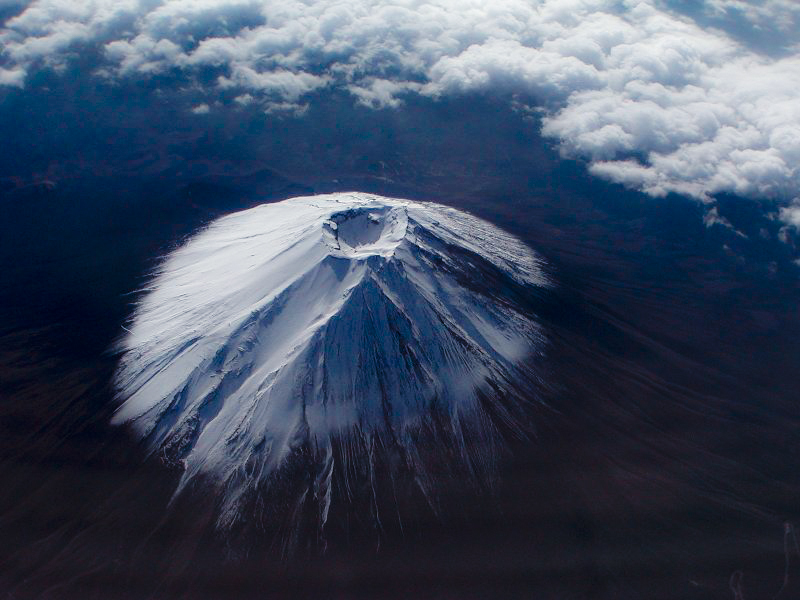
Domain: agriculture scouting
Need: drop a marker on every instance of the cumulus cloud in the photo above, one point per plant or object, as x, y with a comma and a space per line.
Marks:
651, 99
14, 77
791, 214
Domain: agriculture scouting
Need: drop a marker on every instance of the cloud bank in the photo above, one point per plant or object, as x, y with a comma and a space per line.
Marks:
647, 96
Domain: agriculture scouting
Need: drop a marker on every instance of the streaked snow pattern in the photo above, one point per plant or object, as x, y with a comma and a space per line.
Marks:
326, 326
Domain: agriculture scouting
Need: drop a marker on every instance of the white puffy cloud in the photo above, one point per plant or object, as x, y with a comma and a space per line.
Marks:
791, 214
651, 99
282, 83
13, 77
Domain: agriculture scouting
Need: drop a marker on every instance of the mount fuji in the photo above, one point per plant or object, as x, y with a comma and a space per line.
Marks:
325, 330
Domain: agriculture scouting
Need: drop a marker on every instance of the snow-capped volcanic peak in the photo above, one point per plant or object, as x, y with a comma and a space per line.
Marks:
326, 318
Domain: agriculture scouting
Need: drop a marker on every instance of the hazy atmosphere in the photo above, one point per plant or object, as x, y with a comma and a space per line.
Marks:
367, 299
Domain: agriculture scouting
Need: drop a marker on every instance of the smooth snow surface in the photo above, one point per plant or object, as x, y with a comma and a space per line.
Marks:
297, 326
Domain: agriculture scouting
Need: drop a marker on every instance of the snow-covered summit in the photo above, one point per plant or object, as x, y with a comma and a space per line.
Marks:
317, 320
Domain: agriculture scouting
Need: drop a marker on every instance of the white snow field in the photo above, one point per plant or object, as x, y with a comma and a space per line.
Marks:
322, 319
